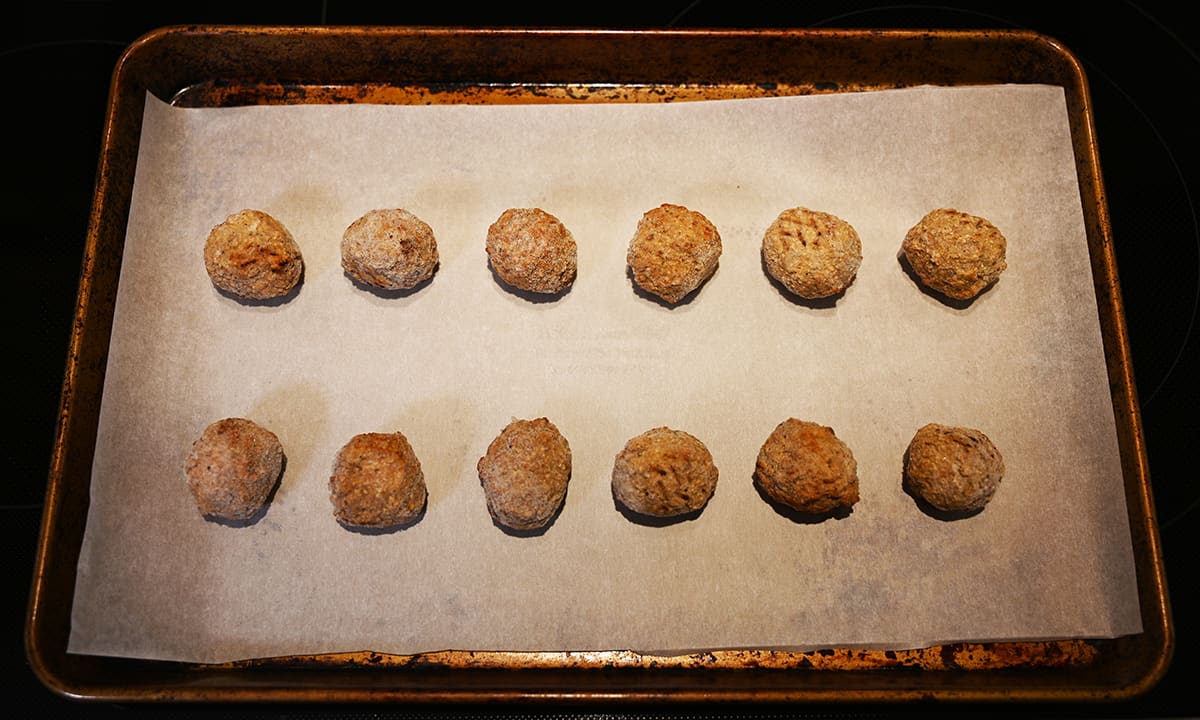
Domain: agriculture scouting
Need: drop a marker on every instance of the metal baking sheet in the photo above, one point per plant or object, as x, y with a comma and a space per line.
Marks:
444, 66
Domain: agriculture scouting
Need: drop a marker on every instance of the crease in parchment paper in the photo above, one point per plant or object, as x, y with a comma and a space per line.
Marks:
451, 364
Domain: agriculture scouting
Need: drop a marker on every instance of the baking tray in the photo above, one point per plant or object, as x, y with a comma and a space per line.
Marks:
210, 66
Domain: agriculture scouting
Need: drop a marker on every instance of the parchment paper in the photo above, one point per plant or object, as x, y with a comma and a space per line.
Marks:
450, 364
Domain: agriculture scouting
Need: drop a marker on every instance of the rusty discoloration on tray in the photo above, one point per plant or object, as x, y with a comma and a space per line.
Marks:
211, 94
199, 66
959, 656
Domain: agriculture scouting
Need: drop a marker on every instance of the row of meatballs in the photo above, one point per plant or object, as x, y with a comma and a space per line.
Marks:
813, 254
663, 473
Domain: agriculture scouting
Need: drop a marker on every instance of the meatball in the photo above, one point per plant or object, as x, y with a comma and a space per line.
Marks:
673, 251
953, 468
664, 473
389, 249
806, 467
813, 254
253, 256
524, 474
377, 482
955, 254
532, 250
233, 467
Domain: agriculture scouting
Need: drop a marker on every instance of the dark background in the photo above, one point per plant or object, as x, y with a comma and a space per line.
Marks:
1141, 61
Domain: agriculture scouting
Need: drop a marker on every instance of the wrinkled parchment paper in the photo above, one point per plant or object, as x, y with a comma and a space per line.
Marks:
450, 364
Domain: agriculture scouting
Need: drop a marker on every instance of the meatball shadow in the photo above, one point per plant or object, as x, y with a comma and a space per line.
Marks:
252, 520
261, 512
826, 303
929, 508
638, 518
944, 299
799, 517
387, 529
651, 297
392, 294
530, 532
528, 296
266, 302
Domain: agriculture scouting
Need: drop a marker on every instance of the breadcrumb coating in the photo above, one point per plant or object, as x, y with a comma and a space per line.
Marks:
673, 251
525, 473
532, 250
391, 249
377, 482
955, 254
664, 473
806, 467
232, 469
252, 255
811, 253
953, 468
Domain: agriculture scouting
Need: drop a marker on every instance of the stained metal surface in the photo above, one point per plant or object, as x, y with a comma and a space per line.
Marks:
226, 66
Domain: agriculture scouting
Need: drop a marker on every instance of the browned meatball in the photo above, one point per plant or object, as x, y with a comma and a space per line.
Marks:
953, 468
525, 473
233, 468
377, 482
532, 250
673, 251
956, 254
806, 467
253, 256
389, 249
813, 254
664, 473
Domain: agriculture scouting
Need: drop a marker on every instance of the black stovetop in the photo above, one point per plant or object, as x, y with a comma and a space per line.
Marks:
1141, 60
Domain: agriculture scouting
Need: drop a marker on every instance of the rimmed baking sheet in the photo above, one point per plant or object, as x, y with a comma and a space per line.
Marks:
452, 362
232, 66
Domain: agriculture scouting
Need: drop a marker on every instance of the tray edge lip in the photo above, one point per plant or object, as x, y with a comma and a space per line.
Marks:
1162, 613
83, 691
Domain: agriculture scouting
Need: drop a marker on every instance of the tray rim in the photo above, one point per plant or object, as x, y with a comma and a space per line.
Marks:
126, 94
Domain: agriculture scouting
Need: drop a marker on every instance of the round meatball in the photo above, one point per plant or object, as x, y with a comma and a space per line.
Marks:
233, 467
813, 254
253, 256
389, 249
955, 254
953, 468
377, 482
532, 250
673, 251
664, 473
525, 473
806, 467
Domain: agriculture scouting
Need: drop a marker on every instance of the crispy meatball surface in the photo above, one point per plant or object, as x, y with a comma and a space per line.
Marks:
956, 254
806, 467
524, 474
813, 254
391, 249
664, 473
532, 250
953, 468
253, 256
673, 251
377, 482
233, 468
